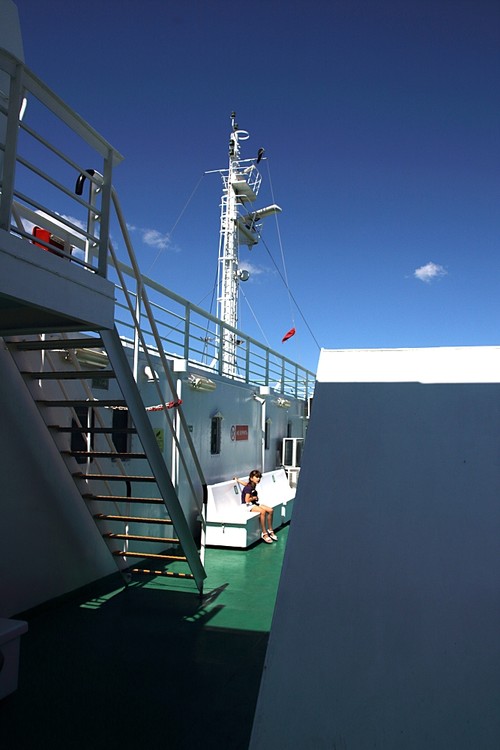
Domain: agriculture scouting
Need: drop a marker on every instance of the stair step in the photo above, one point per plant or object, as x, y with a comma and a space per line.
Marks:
113, 477
167, 573
142, 538
104, 454
133, 519
71, 375
149, 555
170, 549
124, 499
93, 403
88, 343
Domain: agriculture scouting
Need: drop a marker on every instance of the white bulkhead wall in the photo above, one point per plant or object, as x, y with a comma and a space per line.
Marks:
399, 493
235, 404
50, 544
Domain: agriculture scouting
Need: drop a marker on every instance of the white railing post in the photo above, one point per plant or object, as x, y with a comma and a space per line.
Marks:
247, 363
9, 156
187, 331
138, 313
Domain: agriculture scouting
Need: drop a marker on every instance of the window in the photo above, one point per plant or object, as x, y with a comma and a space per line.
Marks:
215, 435
267, 435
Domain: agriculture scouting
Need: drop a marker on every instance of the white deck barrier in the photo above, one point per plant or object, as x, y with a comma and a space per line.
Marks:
388, 598
231, 524
275, 485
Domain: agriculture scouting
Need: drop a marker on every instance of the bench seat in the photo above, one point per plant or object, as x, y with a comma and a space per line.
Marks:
276, 484
229, 523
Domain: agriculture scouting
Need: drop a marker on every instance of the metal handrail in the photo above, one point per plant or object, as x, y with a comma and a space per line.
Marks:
263, 366
159, 351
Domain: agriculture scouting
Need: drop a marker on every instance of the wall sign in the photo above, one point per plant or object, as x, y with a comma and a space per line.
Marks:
239, 432
160, 437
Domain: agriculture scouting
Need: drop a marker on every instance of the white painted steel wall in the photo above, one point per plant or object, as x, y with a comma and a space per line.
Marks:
49, 542
386, 627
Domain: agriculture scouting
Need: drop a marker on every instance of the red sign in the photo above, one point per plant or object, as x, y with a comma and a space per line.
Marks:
239, 432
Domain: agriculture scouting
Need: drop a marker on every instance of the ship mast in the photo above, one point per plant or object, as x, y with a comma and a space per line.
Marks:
241, 183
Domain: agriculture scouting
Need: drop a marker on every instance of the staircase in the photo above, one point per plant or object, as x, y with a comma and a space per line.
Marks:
110, 448
62, 291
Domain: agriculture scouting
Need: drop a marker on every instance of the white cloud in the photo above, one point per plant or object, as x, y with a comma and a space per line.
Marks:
156, 239
252, 269
429, 272
74, 221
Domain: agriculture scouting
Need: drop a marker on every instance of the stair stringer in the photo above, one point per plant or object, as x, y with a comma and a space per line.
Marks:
128, 387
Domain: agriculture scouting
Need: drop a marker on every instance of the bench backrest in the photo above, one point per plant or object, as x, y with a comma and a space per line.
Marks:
224, 496
274, 487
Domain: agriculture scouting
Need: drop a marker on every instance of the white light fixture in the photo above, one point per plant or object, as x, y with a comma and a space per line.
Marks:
242, 274
283, 403
151, 375
92, 357
200, 383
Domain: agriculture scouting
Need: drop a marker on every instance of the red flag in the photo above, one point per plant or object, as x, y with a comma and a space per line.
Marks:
288, 335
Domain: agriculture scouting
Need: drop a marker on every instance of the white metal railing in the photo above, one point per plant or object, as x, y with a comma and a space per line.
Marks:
191, 333
246, 169
38, 175
41, 183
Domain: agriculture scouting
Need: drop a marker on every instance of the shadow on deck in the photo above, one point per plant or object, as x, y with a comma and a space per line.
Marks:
109, 667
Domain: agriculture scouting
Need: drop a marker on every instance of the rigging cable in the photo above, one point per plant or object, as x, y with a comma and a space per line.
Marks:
290, 293
169, 234
283, 276
255, 318
281, 246
212, 303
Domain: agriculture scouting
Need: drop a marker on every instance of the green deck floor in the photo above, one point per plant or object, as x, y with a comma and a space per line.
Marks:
150, 666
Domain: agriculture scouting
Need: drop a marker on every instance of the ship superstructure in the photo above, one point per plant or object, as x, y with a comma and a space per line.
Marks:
115, 413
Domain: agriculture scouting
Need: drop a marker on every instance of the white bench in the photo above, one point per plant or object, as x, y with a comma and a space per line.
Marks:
275, 484
10, 636
229, 523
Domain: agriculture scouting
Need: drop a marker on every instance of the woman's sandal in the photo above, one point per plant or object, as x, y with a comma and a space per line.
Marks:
272, 535
266, 538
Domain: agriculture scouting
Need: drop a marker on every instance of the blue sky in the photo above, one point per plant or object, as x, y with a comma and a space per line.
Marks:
381, 124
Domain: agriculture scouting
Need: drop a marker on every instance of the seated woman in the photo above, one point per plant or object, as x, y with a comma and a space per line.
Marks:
250, 497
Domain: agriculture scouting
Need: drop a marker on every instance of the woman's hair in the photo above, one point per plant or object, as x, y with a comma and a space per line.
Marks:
255, 473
